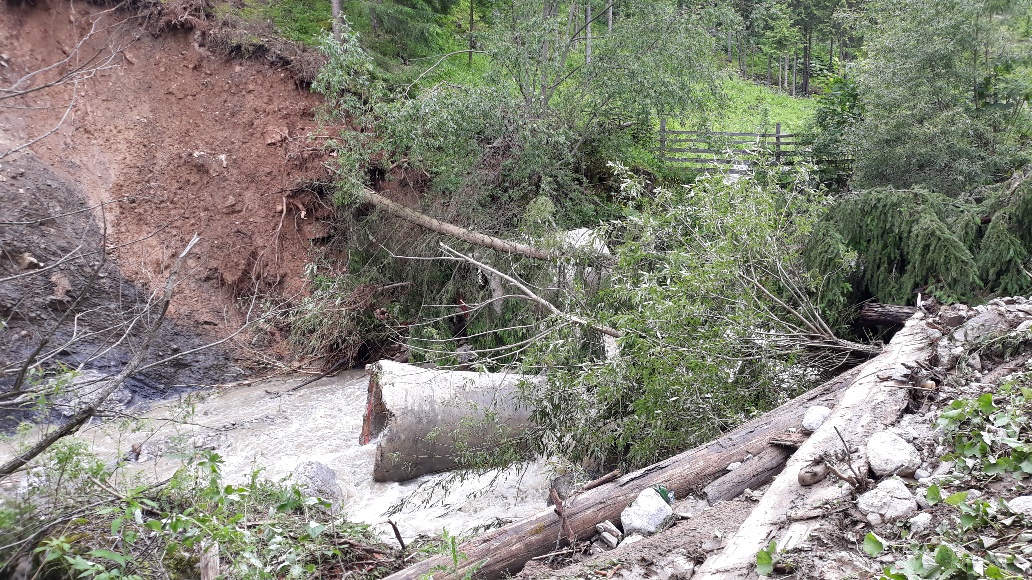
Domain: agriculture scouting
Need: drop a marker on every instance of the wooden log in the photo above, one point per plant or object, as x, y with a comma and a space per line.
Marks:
424, 420
870, 404
422, 220
885, 314
752, 474
505, 550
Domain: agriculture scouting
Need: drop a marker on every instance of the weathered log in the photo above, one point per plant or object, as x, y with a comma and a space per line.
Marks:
426, 419
752, 474
507, 549
869, 405
885, 314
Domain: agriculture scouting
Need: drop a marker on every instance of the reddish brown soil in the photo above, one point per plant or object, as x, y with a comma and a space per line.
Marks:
182, 141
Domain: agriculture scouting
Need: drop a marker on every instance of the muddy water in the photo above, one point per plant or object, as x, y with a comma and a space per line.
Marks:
266, 426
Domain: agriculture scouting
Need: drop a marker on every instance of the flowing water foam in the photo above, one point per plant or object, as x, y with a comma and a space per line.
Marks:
266, 426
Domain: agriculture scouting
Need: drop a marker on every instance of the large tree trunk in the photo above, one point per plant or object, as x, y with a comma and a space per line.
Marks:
427, 419
505, 550
871, 404
885, 314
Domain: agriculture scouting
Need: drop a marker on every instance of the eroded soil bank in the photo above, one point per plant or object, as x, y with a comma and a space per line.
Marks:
171, 140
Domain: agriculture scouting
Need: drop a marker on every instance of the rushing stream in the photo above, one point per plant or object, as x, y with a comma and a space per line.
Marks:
264, 425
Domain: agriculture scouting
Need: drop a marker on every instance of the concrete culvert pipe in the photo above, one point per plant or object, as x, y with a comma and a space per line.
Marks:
427, 419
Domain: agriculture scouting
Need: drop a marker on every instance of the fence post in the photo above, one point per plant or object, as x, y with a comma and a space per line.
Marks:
777, 143
662, 138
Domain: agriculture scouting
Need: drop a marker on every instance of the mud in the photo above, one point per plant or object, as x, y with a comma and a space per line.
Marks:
177, 141
53, 280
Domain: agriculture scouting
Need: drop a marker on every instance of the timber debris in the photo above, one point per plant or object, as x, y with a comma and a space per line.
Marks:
865, 470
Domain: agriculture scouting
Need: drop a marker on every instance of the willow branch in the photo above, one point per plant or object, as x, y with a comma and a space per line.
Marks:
530, 294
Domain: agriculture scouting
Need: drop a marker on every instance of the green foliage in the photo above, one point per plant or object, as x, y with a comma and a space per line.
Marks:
407, 28
992, 434
685, 285
873, 545
449, 546
116, 525
990, 437
298, 20
766, 558
940, 107
895, 243
838, 111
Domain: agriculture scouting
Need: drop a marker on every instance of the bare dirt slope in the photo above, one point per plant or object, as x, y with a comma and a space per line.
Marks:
182, 141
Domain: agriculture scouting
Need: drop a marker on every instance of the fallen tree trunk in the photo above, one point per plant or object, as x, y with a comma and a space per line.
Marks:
507, 549
752, 474
872, 403
885, 314
428, 419
424, 221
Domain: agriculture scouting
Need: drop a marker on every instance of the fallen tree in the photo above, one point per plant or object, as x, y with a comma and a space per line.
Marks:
422, 220
507, 549
885, 314
873, 402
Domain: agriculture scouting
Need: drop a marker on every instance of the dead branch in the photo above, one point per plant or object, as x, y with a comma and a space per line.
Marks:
84, 414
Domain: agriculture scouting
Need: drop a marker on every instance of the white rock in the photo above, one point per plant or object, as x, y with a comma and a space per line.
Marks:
844, 565
920, 522
646, 514
890, 500
1024, 326
632, 538
609, 539
922, 474
890, 454
734, 466
814, 418
1021, 505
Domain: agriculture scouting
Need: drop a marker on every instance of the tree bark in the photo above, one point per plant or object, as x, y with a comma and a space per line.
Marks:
806, 61
335, 14
504, 551
869, 405
752, 474
435, 225
885, 314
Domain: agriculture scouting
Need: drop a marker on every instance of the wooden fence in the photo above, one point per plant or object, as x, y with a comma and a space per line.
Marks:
739, 151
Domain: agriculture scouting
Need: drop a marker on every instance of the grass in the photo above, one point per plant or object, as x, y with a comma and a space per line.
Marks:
298, 20
752, 107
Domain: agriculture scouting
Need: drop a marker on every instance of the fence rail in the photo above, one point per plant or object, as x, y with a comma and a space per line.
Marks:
739, 150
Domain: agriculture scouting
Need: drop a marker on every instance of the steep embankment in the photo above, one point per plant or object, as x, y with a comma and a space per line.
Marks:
176, 140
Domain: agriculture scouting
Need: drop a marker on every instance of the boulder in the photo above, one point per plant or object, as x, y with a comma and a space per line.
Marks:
889, 501
647, 514
318, 480
890, 454
815, 417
